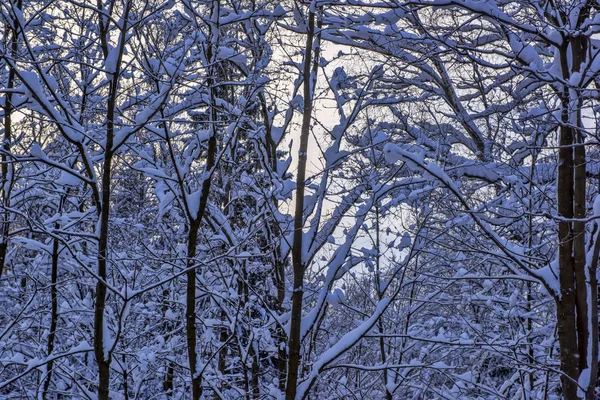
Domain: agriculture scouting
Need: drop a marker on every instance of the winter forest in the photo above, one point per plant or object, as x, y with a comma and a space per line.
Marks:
326, 199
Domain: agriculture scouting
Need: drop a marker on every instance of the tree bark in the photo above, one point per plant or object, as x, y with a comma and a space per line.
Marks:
53, 310
103, 357
6, 182
196, 220
297, 261
380, 326
567, 329
577, 302
190, 310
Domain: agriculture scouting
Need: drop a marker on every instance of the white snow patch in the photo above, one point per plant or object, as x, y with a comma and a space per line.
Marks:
583, 382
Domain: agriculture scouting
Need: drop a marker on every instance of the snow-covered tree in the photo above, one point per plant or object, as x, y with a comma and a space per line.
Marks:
248, 199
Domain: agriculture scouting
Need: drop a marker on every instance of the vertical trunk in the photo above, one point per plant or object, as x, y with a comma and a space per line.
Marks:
168, 382
567, 330
577, 303
567, 322
6, 182
101, 351
103, 358
594, 337
579, 257
255, 372
579, 262
6, 172
594, 307
586, 292
297, 261
53, 312
190, 310
169, 376
380, 326
125, 379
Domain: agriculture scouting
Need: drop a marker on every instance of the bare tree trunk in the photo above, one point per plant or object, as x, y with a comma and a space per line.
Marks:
190, 311
7, 170
255, 383
567, 329
297, 261
53, 311
168, 382
170, 374
103, 356
125, 379
380, 326
577, 303
585, 275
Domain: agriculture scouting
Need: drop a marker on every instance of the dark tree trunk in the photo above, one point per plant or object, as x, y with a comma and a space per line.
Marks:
195, 222
6, 181
190, 310
577, 302
103, 357
297, 261
53, 312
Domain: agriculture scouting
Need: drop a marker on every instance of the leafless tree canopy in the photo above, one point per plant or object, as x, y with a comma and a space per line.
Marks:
235, 199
